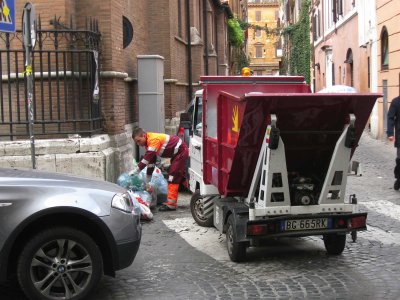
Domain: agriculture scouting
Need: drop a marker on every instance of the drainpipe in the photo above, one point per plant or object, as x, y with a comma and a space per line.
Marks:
189, 51
216, 41
313, 49
374, 73
205, 37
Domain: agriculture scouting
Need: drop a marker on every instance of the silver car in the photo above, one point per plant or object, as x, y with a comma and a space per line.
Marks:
59, 234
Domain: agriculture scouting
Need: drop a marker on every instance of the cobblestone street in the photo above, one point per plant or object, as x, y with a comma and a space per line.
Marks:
179, 260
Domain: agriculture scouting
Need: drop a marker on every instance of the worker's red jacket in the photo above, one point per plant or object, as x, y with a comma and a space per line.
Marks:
160, 144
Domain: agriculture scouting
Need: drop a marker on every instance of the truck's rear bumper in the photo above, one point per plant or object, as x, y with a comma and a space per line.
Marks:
305, 225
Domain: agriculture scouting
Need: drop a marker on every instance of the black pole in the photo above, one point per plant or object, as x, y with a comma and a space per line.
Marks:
189, 50
205, 37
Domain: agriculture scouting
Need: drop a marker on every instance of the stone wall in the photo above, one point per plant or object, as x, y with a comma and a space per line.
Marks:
102, 157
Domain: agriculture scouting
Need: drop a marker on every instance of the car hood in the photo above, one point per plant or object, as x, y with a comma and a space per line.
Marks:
40, 178
45, 190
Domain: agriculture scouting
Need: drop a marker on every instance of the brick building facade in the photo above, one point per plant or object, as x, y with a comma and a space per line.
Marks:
157, 29
160, 28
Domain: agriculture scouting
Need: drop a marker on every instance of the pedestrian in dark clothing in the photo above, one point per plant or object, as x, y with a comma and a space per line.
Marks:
393, 134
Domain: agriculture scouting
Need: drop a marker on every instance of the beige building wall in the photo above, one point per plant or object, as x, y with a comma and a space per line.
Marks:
339, 57
388, 71
371, 30
261, 47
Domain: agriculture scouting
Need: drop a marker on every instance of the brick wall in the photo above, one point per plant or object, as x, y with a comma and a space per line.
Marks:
155, 32
47, 9
197, 62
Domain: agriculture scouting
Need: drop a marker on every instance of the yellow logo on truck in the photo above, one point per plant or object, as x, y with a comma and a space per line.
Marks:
235, 119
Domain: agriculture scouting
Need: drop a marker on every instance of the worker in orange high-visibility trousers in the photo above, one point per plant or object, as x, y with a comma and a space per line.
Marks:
163, 145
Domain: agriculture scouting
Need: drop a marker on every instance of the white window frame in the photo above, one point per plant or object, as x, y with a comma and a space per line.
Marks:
328, 68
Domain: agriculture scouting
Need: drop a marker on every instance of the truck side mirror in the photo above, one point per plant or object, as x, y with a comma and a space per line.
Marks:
185, 120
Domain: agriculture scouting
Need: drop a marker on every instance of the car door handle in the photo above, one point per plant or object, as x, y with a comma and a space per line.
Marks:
197, 147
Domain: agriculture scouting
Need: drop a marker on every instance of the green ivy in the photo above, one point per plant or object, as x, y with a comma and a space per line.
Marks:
236, 33
236, 39
268, 30
297, 60
242, 61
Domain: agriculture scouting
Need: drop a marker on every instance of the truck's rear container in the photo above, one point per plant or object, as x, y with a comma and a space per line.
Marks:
278, 156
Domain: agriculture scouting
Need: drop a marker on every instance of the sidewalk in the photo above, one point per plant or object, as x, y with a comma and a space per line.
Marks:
377, 159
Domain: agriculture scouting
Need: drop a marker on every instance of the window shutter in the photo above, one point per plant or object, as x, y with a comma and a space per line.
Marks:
340, 8
334, 10
314, 26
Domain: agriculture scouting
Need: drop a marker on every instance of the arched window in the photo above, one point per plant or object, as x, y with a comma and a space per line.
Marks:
384, 49
127, 31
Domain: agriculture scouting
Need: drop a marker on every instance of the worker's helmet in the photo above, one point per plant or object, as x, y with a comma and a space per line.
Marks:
246, 71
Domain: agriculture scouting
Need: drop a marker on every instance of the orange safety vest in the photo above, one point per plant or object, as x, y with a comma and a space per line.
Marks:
160, 144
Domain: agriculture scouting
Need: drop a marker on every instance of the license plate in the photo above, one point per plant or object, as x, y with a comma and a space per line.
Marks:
306, 224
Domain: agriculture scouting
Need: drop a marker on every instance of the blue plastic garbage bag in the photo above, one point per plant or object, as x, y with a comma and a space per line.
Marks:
134, 182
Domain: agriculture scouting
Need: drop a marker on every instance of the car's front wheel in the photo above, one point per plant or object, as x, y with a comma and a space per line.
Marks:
59, 263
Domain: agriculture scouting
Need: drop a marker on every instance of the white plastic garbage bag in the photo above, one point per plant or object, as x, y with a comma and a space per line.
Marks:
141, 205
158, 183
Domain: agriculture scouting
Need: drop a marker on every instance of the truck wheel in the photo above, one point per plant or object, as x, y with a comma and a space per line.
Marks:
59, 263
202, 209
334, 243
236, 250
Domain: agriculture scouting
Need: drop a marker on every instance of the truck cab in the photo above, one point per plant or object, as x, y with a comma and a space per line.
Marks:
203, 212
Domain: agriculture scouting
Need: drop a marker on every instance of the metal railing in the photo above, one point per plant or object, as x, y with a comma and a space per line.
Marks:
65, 69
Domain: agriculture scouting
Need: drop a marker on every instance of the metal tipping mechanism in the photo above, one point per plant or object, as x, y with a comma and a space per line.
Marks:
271, 192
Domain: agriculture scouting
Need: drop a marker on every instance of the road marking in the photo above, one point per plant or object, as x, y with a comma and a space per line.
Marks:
205, 239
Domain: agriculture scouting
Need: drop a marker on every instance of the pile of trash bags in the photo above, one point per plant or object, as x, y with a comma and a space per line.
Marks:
145, 195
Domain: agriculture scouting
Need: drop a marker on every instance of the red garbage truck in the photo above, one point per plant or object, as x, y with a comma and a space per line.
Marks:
270, 159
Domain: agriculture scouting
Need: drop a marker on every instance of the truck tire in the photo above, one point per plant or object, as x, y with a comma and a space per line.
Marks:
202, 209
236, 250
334, 243
60, 263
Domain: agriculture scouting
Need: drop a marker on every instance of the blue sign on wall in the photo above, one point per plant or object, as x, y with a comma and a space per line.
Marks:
7, 15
